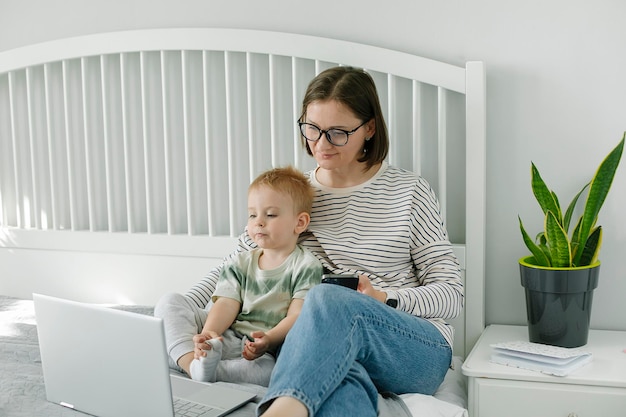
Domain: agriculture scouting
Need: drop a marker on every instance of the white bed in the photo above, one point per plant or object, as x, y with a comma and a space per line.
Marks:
125, 157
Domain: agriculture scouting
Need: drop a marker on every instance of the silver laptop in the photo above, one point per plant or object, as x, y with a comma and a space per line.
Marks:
109, 362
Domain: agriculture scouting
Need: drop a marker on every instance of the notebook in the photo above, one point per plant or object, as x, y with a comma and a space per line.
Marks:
109, 362
552, 360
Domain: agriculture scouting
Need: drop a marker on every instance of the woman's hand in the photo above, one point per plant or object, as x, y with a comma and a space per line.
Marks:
256, 349
365, 287
200, 343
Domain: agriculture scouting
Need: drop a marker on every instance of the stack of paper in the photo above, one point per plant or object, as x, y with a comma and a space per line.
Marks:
548, 359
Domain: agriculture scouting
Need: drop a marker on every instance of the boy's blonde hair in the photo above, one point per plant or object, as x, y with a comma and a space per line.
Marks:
290, 181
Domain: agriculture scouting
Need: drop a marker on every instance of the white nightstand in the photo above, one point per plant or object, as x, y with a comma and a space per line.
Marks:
595, 390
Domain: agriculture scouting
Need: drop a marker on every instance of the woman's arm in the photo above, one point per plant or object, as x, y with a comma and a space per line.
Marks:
440, 293
202, 291
440, 296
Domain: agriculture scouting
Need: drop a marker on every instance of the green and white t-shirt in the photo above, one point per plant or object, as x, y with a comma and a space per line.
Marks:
265, 295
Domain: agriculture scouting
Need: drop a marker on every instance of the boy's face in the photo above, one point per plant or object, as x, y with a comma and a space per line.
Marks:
272, 219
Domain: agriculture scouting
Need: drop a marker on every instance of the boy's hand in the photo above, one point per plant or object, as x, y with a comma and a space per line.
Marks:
200, 344
258, 348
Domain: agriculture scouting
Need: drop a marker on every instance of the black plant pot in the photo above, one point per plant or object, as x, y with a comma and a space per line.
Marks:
558, 302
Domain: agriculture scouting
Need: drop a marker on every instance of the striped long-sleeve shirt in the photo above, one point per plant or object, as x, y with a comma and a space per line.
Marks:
388, 228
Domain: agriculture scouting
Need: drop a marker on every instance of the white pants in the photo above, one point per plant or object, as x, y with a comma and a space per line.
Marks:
183, 319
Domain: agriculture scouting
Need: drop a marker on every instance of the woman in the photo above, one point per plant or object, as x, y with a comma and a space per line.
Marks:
384, 224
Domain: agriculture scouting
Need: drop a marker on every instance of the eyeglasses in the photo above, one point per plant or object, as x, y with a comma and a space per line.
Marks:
337, 137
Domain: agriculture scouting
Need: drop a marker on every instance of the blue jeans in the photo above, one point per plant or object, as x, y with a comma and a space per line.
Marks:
345, 347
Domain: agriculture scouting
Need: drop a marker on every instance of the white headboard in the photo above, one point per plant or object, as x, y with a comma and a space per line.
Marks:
125, 157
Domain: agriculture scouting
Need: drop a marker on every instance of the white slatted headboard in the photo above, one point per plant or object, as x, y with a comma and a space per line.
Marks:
125, 157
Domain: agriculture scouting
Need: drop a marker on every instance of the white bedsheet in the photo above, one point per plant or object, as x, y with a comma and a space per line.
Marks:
450, 400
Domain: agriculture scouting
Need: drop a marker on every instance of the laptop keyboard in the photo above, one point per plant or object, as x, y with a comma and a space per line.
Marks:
184, 408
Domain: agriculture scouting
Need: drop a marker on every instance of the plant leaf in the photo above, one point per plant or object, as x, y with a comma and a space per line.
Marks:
558, 213
598, 190
540, 257
592, 247
540, 239
570, 209
546, 198
558, 243
546, 252
542, 243
575, 239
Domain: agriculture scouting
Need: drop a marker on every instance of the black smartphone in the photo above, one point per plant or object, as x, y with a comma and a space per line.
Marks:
345, 280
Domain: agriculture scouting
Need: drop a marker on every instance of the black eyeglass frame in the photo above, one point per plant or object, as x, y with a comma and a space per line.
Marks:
325, 132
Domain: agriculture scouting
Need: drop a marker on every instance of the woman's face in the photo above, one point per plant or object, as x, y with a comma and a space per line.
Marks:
331, 114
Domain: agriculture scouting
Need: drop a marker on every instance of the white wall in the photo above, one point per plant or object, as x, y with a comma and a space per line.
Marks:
556, 93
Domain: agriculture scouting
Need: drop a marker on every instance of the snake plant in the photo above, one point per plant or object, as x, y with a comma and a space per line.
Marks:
553, 247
